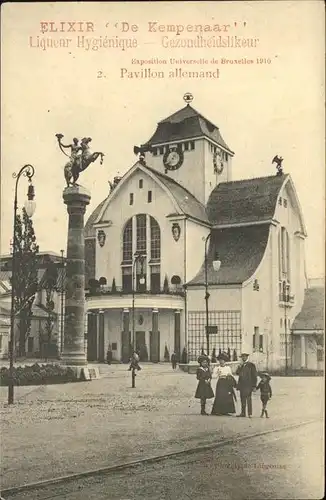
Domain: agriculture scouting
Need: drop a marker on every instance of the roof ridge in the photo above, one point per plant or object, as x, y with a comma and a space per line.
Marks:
193, 109
253, 179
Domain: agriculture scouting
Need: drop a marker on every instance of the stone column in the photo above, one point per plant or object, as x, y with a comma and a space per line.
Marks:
101, 353
125, 337
76, 198
177, 333
155, 343
303, 351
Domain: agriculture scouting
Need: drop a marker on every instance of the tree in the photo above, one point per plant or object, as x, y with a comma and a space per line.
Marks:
51, 277
166, 285
114, 286
25, 281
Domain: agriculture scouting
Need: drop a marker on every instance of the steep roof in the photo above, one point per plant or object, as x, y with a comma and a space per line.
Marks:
240, 250
187, 202
248, 200
186, 123
89, 230
311, 316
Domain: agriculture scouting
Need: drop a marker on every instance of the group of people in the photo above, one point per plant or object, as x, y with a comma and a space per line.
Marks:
226, 386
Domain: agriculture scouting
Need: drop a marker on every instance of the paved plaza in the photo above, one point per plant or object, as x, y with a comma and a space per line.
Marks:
61, 429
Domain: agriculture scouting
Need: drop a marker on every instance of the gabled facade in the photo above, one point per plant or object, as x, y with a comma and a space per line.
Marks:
164, 208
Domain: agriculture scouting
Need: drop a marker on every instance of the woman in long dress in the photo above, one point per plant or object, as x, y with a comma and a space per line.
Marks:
224, 394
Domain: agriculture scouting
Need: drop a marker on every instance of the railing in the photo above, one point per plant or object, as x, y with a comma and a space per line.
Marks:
120, 291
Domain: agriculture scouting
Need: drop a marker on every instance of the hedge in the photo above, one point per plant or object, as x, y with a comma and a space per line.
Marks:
38, 375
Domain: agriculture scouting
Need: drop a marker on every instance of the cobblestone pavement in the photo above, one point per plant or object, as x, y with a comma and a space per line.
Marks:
61, 429
272, 466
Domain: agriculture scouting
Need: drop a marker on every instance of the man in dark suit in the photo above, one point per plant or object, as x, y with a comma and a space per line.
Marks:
246, 383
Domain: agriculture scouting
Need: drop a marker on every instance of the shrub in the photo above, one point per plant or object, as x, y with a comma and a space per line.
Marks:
38, 374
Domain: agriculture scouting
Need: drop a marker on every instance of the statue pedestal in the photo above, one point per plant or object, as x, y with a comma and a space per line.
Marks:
76, 198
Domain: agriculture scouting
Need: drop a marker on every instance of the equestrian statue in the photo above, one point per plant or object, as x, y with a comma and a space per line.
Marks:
79, 159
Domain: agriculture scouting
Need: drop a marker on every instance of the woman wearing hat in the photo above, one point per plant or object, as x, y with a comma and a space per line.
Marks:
204, 390
224, 394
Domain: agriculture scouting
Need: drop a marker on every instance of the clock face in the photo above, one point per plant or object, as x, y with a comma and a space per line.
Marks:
173, 159
218, 163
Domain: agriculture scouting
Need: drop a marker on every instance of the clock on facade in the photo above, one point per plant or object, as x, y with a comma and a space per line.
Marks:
218, 162
173, 159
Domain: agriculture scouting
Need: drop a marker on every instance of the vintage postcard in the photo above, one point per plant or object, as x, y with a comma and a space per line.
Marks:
162, 250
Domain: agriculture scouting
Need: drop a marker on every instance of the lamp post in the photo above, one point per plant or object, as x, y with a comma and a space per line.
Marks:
216, 267
27, 171
138, 257
286, 299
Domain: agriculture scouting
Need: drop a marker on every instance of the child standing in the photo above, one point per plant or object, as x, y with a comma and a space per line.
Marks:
265, 392
204, 390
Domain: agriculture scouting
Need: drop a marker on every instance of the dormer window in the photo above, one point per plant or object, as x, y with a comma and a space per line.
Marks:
186, 146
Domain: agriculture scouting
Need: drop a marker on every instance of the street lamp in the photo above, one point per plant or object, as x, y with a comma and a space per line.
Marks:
27, 171
138, 257
216, 267
286, 299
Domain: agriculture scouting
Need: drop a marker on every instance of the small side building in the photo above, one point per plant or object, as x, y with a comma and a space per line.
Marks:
308, 332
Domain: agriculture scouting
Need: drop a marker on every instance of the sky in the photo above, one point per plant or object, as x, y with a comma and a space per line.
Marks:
273, 106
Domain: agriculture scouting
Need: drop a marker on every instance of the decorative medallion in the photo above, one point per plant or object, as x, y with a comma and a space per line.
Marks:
218, 162
173, 159
101, 236
176, 231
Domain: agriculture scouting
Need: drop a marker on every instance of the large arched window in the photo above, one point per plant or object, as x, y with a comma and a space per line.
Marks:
146, 240
127, 242
284, 261
155, 240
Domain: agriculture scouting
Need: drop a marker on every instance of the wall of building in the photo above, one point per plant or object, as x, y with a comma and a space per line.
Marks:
212, 178
195, 247
173, 253
190, 174
257, 311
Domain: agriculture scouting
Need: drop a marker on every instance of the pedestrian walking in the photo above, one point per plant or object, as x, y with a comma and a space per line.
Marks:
224, 394
246, 383
265, 392
109, 355
204, 390
174, 360
134, 362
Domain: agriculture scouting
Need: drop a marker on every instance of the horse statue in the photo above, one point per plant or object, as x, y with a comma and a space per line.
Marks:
79, 159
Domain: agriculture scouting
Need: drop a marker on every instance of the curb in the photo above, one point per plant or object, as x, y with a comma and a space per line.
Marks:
148, 460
